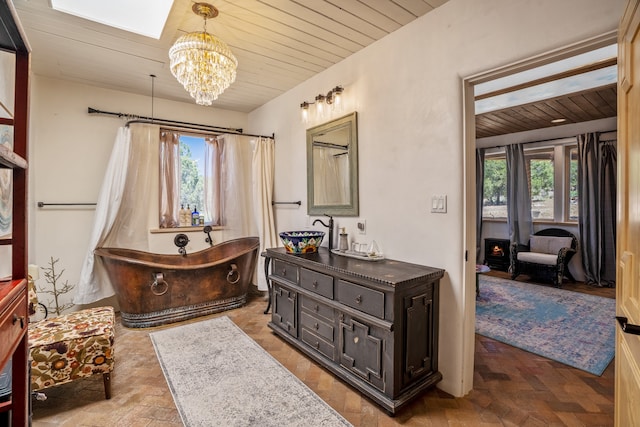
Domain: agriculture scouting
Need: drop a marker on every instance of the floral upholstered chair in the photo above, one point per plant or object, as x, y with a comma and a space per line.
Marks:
71, 346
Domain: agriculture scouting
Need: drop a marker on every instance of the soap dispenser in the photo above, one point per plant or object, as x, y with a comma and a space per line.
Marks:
343, 242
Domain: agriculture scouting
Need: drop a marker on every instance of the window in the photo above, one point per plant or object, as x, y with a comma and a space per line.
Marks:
189, 178
572, 184
192, 172
541, 171
553, 178
494, 204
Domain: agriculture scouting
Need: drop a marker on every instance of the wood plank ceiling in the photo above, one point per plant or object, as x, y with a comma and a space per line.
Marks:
278, 43
593, 104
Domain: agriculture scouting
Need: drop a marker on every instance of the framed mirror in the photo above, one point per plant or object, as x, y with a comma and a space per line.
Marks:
332, 167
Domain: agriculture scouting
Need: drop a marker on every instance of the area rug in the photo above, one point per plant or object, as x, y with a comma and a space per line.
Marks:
219, 376
569, 327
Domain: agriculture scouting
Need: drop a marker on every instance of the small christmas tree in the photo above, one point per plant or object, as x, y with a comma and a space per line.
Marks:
52, 277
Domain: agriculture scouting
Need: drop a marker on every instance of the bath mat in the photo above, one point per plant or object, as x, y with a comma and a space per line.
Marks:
569, 327
218, 376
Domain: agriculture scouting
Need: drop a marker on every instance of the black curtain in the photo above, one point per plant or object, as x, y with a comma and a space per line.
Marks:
479, 200
518, 195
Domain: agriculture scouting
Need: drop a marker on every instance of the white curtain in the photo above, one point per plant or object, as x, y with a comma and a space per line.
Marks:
263, 179
236, 187
212, 176
121, 217
247, 175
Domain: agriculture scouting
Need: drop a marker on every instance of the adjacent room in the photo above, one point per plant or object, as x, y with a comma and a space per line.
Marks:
311, 212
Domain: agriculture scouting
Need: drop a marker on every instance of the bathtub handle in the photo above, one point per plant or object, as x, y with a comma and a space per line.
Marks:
233, 276
158, 280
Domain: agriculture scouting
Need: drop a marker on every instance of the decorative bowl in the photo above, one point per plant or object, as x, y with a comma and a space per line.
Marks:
301, 242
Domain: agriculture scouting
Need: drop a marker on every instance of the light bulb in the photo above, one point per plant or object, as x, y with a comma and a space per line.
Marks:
320, 106
304, 112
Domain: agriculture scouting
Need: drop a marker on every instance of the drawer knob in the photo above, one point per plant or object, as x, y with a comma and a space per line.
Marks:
359, 299
20, 318
317, 345
316, 326
315, 284
284, 271
317, 308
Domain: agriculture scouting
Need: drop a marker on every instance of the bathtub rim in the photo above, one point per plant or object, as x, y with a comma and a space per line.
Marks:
105, 252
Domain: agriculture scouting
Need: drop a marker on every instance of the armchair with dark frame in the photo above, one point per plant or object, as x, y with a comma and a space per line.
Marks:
546, 256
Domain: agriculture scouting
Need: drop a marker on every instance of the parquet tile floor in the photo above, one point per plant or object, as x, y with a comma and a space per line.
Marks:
511, 387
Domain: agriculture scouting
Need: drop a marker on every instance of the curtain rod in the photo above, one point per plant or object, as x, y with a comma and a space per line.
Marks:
553, 139
186, 125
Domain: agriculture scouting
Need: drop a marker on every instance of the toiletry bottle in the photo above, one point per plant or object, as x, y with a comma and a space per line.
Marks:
195, 216
201, 220
181, 216
343, 242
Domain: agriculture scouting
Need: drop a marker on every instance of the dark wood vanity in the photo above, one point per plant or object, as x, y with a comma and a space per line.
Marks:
374, 324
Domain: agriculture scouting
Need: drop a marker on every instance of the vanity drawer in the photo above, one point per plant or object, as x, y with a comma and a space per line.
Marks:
317, 343
13, 322
318, 309
285, 270
317, 326
364, 299
316, 282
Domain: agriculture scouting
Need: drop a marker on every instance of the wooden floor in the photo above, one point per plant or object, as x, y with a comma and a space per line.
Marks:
511, 387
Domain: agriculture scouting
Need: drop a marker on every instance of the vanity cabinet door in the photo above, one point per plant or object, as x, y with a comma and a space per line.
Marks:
361, 349
420, 345
285, 309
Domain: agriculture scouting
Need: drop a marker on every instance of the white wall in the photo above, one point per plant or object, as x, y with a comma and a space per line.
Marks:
407, 91
69, 151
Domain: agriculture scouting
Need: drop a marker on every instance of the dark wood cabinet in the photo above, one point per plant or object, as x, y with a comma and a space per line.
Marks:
372, 324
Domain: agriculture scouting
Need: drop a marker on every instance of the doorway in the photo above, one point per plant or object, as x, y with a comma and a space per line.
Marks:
470, 144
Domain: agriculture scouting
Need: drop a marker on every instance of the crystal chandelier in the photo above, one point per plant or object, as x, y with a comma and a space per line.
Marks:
202, 63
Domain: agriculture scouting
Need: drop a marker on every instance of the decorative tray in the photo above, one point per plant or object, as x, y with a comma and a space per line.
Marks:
358, 255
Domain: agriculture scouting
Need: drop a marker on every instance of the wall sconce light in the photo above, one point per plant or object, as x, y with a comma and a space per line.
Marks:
332, 99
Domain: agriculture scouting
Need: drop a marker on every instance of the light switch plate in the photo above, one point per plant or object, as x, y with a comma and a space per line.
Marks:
439, 204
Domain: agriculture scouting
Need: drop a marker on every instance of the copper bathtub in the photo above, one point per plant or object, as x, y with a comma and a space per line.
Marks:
156, 289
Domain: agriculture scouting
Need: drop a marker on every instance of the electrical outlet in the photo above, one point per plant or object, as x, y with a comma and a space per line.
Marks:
362, 226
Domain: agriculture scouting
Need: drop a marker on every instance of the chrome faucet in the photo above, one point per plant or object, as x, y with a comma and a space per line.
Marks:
330, 227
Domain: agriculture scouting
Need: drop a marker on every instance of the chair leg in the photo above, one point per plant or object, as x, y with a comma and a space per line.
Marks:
557, 279
106, 378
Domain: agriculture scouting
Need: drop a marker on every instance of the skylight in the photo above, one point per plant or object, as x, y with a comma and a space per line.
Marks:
144, 17
577, 83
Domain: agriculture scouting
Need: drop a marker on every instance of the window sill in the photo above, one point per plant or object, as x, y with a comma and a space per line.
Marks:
536, 221
189, 229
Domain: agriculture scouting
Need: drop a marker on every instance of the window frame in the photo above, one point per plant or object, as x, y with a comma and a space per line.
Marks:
561, 178
178, 185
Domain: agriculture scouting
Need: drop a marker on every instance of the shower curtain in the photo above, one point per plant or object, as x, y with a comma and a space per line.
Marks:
121, 218
247, 170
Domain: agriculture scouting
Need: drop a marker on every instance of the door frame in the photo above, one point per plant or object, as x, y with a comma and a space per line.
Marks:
469, 170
